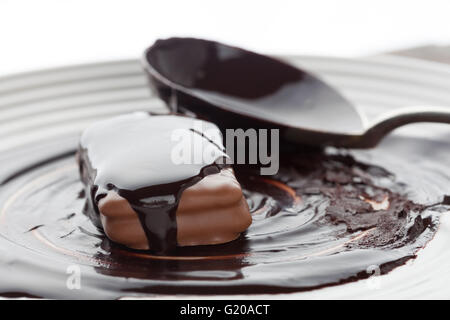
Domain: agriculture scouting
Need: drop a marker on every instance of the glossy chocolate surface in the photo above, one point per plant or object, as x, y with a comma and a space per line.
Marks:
132, 155
212, 211
323, 220
236, 88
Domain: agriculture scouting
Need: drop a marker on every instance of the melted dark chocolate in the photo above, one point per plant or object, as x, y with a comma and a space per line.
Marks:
313, 226
236, 88
131, 155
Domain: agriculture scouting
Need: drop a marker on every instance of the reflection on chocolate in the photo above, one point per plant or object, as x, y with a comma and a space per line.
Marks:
236, 88
323, 220
127, 166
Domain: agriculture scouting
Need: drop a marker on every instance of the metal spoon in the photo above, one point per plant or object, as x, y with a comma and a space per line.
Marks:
236, 88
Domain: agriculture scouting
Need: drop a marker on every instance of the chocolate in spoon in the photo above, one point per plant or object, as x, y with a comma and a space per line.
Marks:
236, 88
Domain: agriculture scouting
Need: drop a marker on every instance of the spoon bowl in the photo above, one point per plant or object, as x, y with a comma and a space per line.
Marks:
237, 88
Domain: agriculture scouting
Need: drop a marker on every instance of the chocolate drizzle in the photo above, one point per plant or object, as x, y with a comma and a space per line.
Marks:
132, 154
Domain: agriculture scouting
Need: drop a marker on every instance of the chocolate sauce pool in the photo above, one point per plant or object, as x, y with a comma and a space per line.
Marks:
327, 218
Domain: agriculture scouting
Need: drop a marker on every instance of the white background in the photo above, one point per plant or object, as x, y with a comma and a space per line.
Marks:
37, 34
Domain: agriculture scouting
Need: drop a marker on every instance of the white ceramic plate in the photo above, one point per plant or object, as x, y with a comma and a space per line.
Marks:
37, 106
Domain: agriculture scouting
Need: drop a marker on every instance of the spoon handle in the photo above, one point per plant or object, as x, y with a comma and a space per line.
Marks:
400, 117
